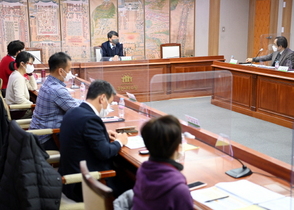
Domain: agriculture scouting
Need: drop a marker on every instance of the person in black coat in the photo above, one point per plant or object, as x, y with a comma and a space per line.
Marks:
112, 49
83, 136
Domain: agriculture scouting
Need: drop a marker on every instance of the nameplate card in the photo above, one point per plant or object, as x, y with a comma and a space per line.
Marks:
192, 121
233, 61
131, 96
283, 68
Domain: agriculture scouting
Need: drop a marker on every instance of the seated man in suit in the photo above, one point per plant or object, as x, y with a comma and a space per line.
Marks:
53, 99
83, 136
281, 53
112, 49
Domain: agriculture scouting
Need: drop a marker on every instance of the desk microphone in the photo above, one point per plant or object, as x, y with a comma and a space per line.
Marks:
261, 49
239, 172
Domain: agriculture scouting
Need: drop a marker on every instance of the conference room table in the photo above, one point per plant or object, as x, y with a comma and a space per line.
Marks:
205, 163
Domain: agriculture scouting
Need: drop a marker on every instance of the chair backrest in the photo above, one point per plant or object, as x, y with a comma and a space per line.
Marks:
170, 50
1, 83
37, 53
98, 53
6, 107
95, 194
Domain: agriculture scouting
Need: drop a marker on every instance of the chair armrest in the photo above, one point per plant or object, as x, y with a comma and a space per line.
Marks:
54, 156
23, 121
76, 178
21, 106
44, 131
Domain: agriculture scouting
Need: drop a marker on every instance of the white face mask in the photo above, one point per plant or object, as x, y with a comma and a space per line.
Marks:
274, 48
30, 68
105, 112
68, 76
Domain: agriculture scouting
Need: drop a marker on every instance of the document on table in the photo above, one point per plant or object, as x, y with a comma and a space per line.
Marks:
236, 195
135, 142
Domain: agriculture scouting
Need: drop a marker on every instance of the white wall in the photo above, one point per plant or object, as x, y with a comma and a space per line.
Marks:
234, 17
201, 27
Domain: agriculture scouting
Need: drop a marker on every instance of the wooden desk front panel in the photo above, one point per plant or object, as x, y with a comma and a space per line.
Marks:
275, 97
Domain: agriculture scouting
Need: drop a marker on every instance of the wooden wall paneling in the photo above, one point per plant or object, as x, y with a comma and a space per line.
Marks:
214, 17
250, 27
274, 13
286, 19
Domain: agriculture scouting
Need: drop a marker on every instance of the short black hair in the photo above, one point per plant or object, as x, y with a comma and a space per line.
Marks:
112, 33
21, 57
14, 46
99, 87
162, 136
58, 60
282, 41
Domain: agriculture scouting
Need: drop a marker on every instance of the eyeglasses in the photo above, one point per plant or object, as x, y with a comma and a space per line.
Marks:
30, 63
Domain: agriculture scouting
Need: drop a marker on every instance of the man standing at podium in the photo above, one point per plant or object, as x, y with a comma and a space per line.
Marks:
112, 49
281, 53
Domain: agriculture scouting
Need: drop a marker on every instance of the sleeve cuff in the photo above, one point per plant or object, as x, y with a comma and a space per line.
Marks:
121, 145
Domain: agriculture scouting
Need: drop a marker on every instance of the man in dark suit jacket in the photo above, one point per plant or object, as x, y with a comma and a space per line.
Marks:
112, 49
281, 54
83, 136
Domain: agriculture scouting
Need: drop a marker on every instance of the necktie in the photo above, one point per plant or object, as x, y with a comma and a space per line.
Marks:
277, 58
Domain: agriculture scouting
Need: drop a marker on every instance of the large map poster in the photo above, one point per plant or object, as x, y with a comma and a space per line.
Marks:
103, 15
45, 26
75, 29
182, 25
13, 23
156, 26
131, 27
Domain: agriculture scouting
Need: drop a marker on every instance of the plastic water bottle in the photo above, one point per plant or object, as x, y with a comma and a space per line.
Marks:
121, 108
82, 90
181, 155
277, 64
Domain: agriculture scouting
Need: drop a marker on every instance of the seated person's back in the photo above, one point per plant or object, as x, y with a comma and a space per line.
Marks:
159, 182
83, 136
53, 98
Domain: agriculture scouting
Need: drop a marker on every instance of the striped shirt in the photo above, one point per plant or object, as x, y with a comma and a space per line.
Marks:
52, 103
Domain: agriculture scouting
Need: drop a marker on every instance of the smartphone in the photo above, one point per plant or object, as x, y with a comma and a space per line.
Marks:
196, 185
144, 152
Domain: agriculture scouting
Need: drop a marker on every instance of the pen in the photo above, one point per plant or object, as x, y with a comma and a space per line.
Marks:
216, 199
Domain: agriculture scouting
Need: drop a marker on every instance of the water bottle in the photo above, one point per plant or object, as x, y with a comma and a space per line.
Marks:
277, 65
121, 108
82, 90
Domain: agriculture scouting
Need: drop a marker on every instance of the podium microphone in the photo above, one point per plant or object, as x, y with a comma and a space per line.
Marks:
261, 49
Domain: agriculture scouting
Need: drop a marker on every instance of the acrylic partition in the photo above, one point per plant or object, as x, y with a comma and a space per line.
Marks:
196, 110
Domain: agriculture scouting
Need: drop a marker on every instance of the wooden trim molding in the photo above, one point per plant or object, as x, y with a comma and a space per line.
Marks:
214, 17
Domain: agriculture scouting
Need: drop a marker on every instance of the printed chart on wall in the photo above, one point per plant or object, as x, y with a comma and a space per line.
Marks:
75, 29
182, 25
13, 24
103, 15
156, 26
45, 26
131, 27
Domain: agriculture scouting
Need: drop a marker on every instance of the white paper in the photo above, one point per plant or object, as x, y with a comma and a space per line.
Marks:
285, 203
135, 142
249, 191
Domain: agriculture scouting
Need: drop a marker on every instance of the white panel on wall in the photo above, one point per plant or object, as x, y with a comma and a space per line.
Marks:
233, 40
201, 27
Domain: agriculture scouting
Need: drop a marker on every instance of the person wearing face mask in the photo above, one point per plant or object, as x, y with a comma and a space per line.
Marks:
18, 86
280, 53
83, 136
159, 182
54, 99
112, 49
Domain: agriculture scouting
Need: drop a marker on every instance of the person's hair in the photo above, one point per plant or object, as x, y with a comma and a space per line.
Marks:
112, 33
162, 136
14, 46
99, 87
282, 41
21, 57
58, 60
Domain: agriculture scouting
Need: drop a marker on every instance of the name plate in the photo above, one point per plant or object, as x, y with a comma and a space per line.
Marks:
192, 121
233, 61
283, 68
